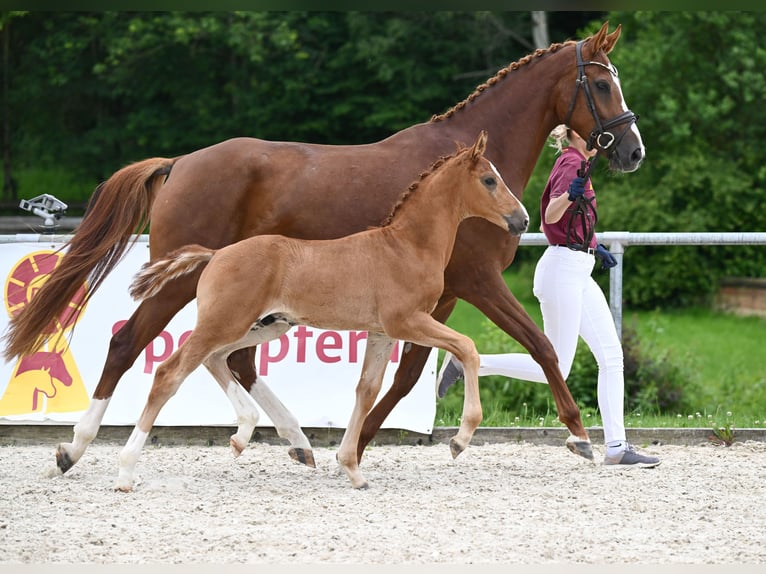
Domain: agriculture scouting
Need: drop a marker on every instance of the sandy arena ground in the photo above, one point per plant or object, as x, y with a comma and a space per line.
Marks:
494, 504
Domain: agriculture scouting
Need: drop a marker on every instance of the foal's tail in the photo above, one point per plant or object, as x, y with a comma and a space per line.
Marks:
118, 208
154, 275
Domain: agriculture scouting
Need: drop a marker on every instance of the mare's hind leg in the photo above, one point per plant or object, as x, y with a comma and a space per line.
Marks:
146, 323
241, 366
376, 357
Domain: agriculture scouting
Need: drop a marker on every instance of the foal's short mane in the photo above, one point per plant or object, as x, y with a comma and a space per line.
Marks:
416, 184
499, 76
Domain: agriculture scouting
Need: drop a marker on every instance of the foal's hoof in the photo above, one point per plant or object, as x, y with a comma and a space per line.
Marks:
63, 460
236, 447
455, 448
303, 455
580, 447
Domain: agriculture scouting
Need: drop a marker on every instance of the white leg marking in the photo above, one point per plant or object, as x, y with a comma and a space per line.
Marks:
128, 459
247, 416
285, 422
68, 453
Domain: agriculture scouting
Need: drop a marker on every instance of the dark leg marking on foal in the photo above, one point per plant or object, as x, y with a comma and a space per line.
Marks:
455, 448
303, 456
63, 460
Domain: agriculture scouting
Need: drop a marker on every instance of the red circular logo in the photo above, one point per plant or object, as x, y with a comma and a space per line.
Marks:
26, 278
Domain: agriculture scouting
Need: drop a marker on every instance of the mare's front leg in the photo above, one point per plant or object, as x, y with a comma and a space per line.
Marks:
376, 357
125, 346
490, 294
411, 365
241, 366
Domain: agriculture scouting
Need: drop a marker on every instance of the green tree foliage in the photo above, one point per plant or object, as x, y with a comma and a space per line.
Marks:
697, 79
95, 91
92, 91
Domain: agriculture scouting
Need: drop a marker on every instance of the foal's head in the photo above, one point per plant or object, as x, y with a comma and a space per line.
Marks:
596, 107
482, 191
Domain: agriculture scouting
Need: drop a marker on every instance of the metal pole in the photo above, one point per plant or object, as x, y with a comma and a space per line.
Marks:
615, 286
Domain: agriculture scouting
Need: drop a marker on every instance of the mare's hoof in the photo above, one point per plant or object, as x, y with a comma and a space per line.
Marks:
455, 448
63, 460
580, 447
303, 455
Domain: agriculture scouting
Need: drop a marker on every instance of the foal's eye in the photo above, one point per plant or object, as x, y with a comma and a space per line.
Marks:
489, 181
603, 86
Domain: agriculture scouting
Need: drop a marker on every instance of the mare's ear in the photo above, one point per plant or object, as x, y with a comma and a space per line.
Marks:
601, 40
479, 146
611, 39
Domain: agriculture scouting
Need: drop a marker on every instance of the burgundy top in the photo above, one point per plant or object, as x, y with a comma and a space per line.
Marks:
562, 174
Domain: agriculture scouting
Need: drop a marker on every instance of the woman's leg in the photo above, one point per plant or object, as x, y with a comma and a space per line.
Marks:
598, 330
558, 285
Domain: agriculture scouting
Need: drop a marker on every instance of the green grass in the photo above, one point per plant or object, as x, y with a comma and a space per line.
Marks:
722, 354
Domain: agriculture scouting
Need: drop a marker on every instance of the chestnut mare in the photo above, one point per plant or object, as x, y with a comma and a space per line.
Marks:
244, 187
385, 281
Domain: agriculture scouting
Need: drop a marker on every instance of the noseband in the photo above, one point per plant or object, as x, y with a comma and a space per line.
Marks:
600, 138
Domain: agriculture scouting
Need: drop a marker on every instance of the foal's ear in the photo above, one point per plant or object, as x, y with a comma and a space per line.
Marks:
481, 144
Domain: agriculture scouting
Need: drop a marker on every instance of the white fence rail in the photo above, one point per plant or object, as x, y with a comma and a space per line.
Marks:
617, 241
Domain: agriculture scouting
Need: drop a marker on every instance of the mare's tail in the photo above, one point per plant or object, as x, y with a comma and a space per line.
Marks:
118, 208
153, 276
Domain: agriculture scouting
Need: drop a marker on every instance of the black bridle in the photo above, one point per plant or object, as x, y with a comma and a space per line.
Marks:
600, 138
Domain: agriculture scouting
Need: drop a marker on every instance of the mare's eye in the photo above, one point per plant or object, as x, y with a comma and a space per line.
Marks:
603, 86
489, 181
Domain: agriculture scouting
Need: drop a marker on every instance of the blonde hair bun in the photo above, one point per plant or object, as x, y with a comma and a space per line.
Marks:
558, 136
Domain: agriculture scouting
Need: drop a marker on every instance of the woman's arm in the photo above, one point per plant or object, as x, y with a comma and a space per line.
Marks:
556, 208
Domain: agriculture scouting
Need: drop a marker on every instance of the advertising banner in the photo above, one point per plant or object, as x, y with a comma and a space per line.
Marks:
314, 372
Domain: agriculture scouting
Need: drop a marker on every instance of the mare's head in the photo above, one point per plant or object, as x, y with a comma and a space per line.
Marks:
482, 192
596, 108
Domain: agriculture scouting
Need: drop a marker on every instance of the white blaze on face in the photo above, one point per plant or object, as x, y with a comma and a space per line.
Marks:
500, 178
633, 126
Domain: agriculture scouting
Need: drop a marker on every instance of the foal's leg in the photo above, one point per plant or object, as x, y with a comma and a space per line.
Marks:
425, 330
244, 406
144, 325
285, 423
167, 379
411, 365
376, 357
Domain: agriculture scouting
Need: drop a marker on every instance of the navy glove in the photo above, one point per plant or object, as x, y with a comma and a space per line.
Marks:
607, 259
576, 188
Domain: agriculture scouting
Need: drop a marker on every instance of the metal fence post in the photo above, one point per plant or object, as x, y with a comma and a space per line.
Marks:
615, 286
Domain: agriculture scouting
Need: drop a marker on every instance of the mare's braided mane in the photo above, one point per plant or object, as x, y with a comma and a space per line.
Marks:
500, 75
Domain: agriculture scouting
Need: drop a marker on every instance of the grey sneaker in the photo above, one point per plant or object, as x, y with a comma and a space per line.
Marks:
449, 374
630, 458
